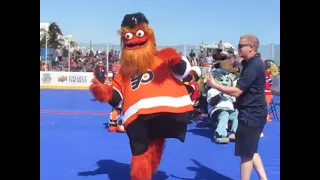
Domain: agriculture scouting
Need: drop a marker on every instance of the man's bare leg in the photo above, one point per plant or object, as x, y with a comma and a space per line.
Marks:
247, 165
258, 166
246, 168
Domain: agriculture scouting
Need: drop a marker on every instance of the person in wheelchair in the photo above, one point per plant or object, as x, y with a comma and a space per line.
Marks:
191, 83
221, 109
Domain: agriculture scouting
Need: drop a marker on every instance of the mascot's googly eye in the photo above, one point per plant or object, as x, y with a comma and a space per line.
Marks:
140, 33
128, 35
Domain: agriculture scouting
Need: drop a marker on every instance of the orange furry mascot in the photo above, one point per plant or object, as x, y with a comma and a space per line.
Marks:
155, 102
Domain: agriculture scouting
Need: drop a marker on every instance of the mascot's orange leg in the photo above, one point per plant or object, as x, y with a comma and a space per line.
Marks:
157, 147
144, 165
141, 167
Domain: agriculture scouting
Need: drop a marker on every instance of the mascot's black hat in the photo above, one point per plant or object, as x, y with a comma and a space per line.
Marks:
131, 20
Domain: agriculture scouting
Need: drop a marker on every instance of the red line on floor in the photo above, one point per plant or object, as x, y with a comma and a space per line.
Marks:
74, 112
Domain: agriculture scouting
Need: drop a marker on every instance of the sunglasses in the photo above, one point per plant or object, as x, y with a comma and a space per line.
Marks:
243, 45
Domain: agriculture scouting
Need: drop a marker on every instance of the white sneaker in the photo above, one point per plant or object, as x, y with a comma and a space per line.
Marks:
261, 135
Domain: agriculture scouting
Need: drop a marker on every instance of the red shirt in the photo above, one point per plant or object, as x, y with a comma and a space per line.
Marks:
195, 94
268, 83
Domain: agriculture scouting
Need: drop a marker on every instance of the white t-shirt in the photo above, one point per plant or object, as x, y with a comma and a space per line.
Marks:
58, 52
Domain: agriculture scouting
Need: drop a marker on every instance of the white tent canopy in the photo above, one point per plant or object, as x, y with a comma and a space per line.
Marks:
215, 45
228, 45
208, 48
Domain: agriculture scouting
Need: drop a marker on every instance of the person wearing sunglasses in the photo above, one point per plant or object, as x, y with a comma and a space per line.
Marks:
251, 105
101, 73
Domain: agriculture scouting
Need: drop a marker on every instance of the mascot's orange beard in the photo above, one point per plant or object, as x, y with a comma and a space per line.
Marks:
136, 61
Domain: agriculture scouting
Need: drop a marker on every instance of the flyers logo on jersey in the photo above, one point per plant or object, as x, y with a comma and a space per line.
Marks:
146, 78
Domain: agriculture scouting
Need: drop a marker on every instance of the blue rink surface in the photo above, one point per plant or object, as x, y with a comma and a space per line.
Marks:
74, 145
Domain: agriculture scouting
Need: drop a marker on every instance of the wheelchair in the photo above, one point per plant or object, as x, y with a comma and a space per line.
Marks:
196, 114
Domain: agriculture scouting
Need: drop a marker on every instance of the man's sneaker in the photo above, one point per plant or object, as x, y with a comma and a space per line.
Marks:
220, 139
232, 137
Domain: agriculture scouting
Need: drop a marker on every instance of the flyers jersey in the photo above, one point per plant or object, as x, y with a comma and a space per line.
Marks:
195, 94
268, 84
156, 91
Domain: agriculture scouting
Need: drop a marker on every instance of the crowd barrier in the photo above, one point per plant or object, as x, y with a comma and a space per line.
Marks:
82, 80
65, 80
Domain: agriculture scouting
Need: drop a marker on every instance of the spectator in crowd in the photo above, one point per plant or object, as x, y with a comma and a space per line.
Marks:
116, 55
193, 61
91, 54
78, 62
101, 73
209, 58
220, 45
97, 55
65, 54
103, 56
251, 104
58, 53
206, 65
44, 66
192, 54
111, 56
201, 55
267, 87
275, 88
115, 68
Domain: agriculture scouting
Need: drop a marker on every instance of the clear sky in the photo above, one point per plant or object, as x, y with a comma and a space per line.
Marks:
175, 22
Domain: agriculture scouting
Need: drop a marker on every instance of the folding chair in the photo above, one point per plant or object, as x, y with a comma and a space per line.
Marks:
273, 109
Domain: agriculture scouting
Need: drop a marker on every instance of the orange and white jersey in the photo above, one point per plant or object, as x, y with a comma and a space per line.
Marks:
157, 90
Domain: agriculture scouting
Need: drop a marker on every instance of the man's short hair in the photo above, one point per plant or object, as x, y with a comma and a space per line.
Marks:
252, 39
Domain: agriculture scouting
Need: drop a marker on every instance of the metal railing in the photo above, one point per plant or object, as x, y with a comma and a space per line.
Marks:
270, 51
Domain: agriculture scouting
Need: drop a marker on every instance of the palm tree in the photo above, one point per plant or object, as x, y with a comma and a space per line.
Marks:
73, 44
53, 32
43, 34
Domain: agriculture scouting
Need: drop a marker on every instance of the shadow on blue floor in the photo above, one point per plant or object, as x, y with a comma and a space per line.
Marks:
203, 173
78, 147
116, 171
